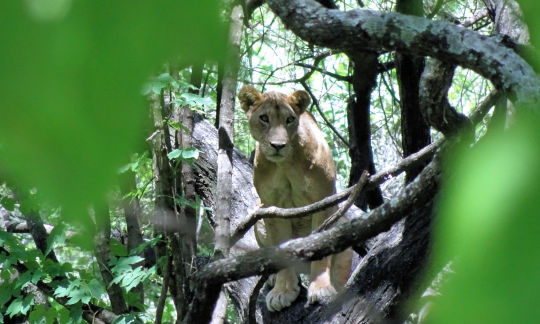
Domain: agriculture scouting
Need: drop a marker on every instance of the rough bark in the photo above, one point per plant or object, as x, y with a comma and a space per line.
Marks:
318, 245
508, 20
205, 138
435, 82
414, 129
225, 131
381, 31
363, 81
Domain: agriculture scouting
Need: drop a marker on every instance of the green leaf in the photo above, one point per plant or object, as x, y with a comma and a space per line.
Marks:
127, 319
57, 236
174, 154
36, 276
20, 305
139, 249
75, 315
117, 248
23, 279
6, 291
190, 153
96, 288
38, 315
8, 203
177, 125
15, 307
61, 291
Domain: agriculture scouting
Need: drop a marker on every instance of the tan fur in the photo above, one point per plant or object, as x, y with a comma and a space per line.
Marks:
293, 168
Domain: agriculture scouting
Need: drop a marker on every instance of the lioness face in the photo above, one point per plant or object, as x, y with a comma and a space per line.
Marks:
273, 119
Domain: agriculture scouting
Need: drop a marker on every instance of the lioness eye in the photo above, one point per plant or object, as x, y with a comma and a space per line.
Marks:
290, 119
264, 118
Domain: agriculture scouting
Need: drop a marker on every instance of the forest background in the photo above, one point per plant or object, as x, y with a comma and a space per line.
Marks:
119, 202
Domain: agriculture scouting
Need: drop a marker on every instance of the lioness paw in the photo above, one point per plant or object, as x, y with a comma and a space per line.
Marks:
320, 291
277, 299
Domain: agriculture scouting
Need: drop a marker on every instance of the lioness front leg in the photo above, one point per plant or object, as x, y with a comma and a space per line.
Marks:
271, 232
286, 290
321, 288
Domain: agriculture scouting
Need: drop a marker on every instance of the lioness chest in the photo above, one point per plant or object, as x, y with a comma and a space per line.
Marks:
294, 184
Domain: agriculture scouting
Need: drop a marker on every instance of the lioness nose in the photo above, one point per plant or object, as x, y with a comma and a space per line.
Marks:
277, 146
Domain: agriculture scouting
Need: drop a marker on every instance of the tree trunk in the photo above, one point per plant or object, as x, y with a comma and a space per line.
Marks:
358, 111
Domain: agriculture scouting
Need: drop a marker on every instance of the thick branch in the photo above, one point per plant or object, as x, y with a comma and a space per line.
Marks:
364, 79
365, 29
434, 84
319, 245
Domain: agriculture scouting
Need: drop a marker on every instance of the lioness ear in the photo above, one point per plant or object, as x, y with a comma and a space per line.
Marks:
299, 100
248, 96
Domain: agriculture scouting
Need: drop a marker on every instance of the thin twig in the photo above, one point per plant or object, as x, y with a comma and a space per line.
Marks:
164, 287
318, 69
343, 208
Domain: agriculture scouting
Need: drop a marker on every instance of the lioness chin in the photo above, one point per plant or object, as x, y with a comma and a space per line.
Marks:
293, 167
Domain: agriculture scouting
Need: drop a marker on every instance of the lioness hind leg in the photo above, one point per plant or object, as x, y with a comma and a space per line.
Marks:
286, 290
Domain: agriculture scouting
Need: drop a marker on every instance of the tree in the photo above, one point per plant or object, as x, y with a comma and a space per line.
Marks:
435, 99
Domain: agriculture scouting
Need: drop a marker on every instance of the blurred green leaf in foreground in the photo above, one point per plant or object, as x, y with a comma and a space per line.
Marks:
489, 225
71, 78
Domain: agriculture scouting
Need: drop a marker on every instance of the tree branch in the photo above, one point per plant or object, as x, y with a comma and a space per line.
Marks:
319, 245
434, 84
365, 29
343, 209
276, 212
344, 78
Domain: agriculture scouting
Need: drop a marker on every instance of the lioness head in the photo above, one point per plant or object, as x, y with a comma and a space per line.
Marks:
273, 119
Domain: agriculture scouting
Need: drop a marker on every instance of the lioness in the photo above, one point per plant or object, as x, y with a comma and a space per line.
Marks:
293, 168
